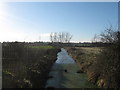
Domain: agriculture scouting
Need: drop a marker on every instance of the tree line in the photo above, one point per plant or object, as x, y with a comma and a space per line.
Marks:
62, 37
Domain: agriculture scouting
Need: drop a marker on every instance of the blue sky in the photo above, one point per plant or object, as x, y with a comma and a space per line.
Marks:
34, 21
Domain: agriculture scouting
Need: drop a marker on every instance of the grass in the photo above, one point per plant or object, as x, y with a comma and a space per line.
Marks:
41, 47
89, 54
99, 63
94, 50
25, 67
86, 57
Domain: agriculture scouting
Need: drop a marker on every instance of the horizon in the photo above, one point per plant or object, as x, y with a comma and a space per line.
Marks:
34, 21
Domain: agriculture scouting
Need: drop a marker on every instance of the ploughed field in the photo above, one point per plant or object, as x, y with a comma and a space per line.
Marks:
25, 65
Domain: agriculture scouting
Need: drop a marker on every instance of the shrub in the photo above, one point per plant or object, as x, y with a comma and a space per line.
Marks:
108, 62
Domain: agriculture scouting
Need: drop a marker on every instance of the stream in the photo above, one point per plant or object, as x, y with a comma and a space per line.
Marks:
64, 74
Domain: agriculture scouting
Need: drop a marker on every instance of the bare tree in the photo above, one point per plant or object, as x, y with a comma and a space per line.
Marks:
95, 38
63, 37
51, 37
68, 37
55, 37
109, 36
60, 37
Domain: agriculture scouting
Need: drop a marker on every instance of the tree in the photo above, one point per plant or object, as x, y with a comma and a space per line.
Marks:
109, 35
60, 37
108, 61
68, 37
51, 37
95, 38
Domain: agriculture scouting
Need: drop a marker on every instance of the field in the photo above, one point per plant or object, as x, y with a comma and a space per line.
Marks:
26, 66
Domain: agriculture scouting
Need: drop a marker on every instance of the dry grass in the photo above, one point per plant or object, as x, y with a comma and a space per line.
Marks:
95, 50
86, 57
26, 67
100, 64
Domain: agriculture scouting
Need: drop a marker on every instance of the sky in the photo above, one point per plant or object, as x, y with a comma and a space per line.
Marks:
34, 21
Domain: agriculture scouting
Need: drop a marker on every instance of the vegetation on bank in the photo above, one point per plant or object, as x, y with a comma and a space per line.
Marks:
26, 67
102, 64
85, 57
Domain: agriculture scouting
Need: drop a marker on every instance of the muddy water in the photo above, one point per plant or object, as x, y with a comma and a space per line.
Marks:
63, 74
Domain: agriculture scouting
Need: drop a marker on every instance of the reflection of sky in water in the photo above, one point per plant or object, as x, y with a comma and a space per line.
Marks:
64, 58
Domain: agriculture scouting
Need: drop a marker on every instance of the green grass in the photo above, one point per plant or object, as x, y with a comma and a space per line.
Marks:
42, 47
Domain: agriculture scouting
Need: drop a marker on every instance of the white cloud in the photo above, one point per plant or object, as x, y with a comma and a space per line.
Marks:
36, 36
45, 35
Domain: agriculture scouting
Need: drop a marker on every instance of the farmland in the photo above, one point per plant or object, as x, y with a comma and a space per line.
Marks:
26, 66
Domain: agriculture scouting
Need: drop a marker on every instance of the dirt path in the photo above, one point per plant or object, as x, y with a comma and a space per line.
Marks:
63, 74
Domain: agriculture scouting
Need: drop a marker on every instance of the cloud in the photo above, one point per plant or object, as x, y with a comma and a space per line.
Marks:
36, 36
45, 35
10, 32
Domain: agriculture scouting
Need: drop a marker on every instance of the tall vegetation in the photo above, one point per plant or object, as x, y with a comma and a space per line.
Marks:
108, 61
25, 66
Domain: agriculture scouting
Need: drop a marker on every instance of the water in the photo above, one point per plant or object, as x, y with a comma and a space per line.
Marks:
57, 69
64, 58
70, 79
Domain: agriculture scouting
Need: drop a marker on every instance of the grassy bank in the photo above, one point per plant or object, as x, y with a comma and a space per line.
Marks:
84, 56
26, 67
100, 64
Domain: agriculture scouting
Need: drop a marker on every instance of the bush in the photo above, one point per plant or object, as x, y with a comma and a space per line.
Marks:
108, 62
